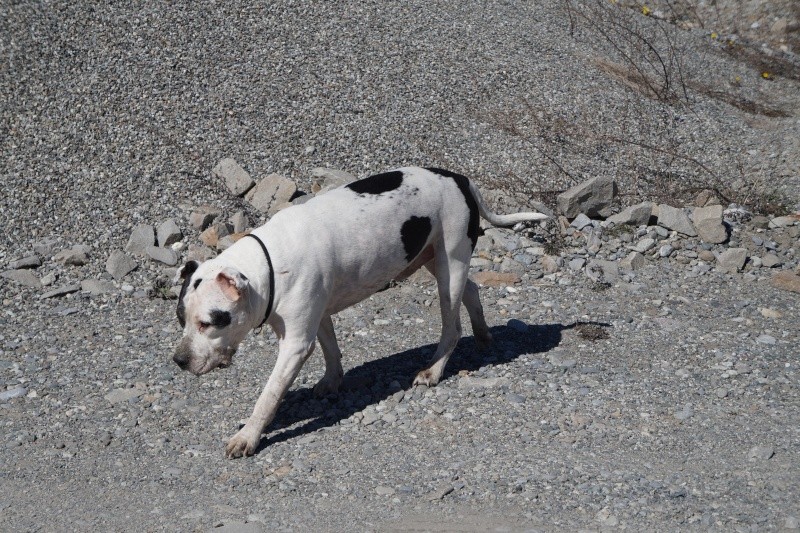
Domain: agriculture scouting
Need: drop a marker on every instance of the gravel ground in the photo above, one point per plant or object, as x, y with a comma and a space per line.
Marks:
677, 410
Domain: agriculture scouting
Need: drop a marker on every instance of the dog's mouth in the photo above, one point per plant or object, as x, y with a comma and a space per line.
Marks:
224, 362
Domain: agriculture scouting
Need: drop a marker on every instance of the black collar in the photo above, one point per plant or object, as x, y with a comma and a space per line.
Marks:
271, 279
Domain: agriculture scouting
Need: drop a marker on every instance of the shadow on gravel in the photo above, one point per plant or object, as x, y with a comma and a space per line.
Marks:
373, 381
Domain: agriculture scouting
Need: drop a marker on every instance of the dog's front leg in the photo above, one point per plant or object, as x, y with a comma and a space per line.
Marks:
291, 356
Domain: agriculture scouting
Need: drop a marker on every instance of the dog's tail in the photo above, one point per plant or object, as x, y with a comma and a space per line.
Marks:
502, 220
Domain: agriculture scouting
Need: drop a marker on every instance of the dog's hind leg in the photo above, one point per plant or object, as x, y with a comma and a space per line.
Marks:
472, 301
333, 359
450, 268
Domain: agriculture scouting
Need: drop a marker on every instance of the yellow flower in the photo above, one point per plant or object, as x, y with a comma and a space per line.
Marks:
714, 35
645, 10
766, 75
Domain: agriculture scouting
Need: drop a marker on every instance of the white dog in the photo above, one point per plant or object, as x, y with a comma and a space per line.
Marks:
315, 259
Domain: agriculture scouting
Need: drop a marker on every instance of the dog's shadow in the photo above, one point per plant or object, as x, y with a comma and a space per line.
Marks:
373, 381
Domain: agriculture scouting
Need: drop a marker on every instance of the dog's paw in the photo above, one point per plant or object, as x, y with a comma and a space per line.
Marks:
426, 377
242, 444
327, 386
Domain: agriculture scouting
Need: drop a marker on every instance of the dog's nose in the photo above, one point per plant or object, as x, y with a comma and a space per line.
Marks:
181, 358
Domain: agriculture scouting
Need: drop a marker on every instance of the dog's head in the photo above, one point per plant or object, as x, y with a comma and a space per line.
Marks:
214, 310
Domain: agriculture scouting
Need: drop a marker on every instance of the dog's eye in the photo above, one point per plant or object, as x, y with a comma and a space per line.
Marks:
203, 326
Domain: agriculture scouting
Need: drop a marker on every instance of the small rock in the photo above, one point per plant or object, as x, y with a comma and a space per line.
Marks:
73, 257
16, 392
732, 260
644, 245
577, 264
167, 256
142, 236
123, 395
239, 221
23, 277
237, 180
760, 222
761, 453
707, 256
384, 491
271, 193
549, 264
766, 312
496, 279
120, 264
675, 219
685, 413
766, 339
581, 221
512, 266
592, 197
635, 215
237, 526
782, 222
441, 492
791, 522
61, 291
786, 281
709, 225
168, 233
326, 179
518, 325
705, 198
48, 279
95, 287
666, 250
199, 252
471, 382
203, 217
29, 261
771, 261
213, 234
600, 270
634, 261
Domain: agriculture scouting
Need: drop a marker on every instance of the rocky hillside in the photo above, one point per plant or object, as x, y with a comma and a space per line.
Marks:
644, 374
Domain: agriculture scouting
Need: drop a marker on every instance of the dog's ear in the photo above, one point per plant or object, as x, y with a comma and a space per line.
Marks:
233, 283
186, 271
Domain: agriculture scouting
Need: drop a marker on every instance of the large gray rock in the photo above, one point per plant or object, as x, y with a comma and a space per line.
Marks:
732, 259
162, 255
237, 180
326, 179
601, 270
29, 261
271, 193
708, 223
23, 277
169, 233
635, 215
676, 219
592, 198
142, 236
203, 216
119, 264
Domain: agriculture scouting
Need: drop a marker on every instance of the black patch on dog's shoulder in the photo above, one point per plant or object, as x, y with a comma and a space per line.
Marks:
197, 282
186, 275
377, 184
220, 319
415, 233
474, 227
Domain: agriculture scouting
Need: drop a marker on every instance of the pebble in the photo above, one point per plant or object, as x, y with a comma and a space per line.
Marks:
30, 261
13, 393
766, 339
761, 453
61, 291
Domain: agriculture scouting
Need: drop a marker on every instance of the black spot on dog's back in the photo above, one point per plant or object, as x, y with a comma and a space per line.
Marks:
186, 275
415, 233
474, 227
377, 184
220, 319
